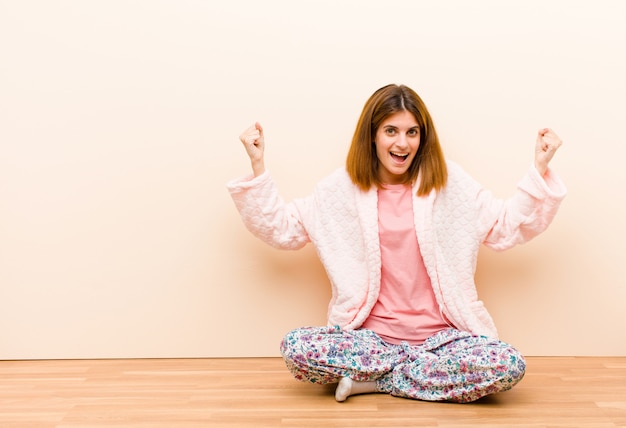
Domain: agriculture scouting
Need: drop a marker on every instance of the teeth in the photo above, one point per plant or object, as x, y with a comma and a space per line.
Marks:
400, 155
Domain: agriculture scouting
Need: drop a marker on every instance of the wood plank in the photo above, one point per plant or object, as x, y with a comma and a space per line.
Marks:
259, 392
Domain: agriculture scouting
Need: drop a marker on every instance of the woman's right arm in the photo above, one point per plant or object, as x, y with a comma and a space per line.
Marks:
262, 210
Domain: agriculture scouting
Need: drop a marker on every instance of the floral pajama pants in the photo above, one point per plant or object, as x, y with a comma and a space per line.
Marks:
451, 365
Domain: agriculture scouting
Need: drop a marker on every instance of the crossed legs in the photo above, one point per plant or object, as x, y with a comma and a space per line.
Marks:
450, 366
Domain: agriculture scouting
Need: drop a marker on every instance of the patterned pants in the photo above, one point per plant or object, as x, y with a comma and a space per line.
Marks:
449, 366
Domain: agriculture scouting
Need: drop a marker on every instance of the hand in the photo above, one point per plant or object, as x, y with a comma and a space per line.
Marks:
547, 144
254, 143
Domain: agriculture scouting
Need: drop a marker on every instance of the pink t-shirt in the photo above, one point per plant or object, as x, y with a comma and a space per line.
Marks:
406, 309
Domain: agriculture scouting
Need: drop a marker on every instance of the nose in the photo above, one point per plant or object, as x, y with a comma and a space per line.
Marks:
402, 141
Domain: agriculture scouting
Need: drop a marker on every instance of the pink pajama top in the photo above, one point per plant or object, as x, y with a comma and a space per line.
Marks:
406, 309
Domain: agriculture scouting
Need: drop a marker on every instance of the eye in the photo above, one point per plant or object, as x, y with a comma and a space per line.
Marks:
390, 131
413, 132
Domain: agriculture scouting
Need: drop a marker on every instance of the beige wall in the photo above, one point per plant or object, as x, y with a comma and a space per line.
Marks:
118, 131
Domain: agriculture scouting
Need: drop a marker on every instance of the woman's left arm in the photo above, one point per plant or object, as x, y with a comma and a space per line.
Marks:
506, 223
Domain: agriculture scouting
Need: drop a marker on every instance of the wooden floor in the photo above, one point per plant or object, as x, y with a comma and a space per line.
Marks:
259, 392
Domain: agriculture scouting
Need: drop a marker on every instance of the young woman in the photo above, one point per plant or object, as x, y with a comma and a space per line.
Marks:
398, 231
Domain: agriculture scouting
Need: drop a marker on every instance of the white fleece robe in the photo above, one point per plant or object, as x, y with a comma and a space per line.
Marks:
342, 222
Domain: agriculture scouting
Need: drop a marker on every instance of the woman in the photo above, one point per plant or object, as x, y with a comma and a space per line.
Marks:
398, 231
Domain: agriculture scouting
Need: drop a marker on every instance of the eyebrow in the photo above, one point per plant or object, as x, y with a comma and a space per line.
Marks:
394, 126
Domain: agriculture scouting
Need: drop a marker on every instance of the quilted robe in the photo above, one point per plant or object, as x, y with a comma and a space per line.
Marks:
451, 224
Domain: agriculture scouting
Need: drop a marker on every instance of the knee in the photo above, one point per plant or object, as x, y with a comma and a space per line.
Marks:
299, 349
517, 365
511, 367
295, 342
289, 343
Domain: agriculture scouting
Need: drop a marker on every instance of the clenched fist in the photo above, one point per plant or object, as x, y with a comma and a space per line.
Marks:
254, 143
545, 148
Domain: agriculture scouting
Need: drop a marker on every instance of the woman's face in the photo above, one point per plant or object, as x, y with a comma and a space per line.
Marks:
397, 140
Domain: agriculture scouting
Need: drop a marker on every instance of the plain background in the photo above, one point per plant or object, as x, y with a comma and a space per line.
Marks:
119, 124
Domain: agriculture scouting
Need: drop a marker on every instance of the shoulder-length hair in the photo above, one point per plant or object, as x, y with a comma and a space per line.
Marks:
429, 163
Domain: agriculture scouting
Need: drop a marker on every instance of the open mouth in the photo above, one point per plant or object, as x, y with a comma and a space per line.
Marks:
399, 157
